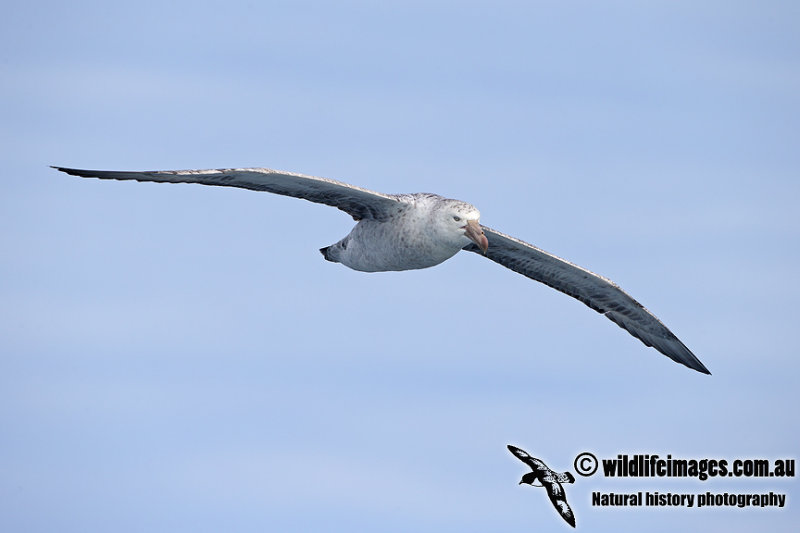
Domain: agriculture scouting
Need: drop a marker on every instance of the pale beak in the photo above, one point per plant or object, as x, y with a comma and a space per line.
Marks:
474, 232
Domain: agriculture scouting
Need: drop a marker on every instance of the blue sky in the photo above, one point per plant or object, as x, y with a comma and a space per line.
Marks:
181, 358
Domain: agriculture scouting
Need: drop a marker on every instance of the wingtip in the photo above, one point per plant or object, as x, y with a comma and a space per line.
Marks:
695, 364
81, 173
71, 171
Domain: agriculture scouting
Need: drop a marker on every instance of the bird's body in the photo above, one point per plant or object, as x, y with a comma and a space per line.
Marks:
410, 240
414, 231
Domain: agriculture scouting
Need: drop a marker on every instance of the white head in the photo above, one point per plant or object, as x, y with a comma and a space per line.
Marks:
459, 223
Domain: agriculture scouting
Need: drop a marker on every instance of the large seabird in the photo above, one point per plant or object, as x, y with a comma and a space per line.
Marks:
411, 231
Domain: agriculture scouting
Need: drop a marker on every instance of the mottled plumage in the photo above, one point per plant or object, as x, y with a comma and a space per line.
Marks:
548, 479
412, 231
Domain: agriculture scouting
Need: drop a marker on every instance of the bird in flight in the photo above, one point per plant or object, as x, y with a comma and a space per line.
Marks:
412, 231
548, 479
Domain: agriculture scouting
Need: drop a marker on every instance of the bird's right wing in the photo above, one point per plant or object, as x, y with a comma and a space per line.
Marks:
536, 465
357, 202
599, 293
546, 474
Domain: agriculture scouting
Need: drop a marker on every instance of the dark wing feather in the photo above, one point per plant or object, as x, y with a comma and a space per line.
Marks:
537, 465
357, 202
559, 500
557, 477
545, 473
599, 293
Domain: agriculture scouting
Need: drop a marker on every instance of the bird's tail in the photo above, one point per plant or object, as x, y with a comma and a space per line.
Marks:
326, 253
333, 253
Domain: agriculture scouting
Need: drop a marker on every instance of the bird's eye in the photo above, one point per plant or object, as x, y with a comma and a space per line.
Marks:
457, 219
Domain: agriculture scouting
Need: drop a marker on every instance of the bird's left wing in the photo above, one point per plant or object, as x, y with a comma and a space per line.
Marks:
599, 293
357, 202
559, 500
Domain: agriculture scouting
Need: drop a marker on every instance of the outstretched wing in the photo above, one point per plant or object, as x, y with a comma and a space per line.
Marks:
557, 477
559, 499
357, 202
544, 473
536, 464
599, 293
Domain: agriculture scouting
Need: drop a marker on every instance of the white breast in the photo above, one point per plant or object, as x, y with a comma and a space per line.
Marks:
406, 242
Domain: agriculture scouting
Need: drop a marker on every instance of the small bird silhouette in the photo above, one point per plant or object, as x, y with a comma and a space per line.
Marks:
550, 480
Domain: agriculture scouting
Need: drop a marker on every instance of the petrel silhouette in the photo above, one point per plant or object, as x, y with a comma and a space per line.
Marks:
549, 479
